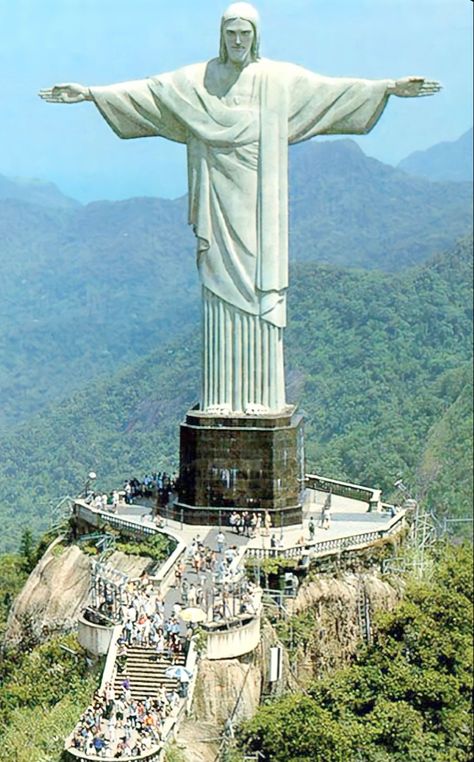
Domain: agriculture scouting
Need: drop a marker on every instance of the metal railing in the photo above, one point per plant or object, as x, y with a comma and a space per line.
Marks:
345, 489
330, 547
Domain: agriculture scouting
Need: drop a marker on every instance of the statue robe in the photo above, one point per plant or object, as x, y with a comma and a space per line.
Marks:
238, 198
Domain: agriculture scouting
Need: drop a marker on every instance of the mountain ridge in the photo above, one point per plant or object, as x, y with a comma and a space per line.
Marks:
448, 160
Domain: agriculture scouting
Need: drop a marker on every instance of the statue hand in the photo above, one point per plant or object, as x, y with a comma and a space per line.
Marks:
414, 87
69, 93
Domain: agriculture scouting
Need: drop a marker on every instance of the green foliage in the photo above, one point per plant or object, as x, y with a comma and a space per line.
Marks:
86, 291
200, 641
12, 579
37, 734
408, 698
40, 695
174, 754
353, 211
27, 550
157, 547
299, 632
41, 675
42, 687
380, 360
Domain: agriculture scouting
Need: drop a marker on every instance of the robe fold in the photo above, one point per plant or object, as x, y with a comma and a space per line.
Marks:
238, 195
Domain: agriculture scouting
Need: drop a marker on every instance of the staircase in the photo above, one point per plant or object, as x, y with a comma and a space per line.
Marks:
145, 673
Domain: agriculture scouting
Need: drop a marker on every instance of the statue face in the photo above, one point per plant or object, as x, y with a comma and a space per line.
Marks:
238, 38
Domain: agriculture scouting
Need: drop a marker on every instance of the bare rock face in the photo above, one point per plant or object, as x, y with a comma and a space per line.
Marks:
53, 595
220, 684
58, 589
332, 606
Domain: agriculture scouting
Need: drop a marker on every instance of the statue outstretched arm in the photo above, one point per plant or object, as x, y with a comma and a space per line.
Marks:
413, 87
67, 93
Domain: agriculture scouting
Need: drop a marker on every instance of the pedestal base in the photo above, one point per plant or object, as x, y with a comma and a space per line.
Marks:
252, 463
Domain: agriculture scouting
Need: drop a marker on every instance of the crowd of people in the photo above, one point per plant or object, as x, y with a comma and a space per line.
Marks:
159, 486
118, 726
209, 580
145, 624
250, 524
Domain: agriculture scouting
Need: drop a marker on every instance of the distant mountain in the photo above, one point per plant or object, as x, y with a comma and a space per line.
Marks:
352, 210
376, 361
450, 160
88, 290
35, 192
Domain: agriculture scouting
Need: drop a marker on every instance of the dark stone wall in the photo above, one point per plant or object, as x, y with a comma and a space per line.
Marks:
241, 463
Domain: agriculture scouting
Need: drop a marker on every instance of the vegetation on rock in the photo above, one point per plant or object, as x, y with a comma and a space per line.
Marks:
407, 698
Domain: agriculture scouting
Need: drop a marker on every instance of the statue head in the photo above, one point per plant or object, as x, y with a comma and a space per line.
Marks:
248, 33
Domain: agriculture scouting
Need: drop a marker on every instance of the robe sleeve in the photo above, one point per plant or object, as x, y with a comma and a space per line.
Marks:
134, 110
332, 105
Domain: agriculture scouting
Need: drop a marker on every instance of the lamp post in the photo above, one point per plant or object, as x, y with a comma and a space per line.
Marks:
91, 476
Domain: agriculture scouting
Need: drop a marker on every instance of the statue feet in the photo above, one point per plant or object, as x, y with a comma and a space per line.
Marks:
219, 410
255, 409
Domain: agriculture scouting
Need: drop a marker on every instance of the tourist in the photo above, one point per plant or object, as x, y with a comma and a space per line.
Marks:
178, 573
220, 541
326, 516
184, 591
192, 596
267, 523
98, 744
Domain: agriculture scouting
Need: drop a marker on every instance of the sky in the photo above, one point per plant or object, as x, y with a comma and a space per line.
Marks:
97, 42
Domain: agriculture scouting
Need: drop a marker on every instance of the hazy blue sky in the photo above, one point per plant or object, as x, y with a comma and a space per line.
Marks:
43, 42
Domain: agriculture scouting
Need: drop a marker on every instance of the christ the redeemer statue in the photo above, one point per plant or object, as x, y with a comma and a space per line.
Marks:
237, 114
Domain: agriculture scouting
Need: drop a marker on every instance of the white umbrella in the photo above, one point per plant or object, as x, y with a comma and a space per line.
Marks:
180, 673
192, 614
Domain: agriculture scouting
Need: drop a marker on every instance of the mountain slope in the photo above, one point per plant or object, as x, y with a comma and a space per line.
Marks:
370, 356
86, 293
351, 210
450, 160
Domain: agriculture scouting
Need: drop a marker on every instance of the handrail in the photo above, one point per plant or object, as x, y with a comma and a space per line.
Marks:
152, 755
334, 484
109, 666
329, 547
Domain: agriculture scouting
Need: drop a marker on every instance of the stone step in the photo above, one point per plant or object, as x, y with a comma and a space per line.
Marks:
146, 674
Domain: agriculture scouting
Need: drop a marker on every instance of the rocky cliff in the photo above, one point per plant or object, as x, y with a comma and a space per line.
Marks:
58, 588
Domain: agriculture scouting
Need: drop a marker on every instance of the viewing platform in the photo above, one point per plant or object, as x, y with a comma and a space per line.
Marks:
357, 517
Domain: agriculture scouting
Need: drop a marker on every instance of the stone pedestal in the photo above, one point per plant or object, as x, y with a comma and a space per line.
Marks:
253, 463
